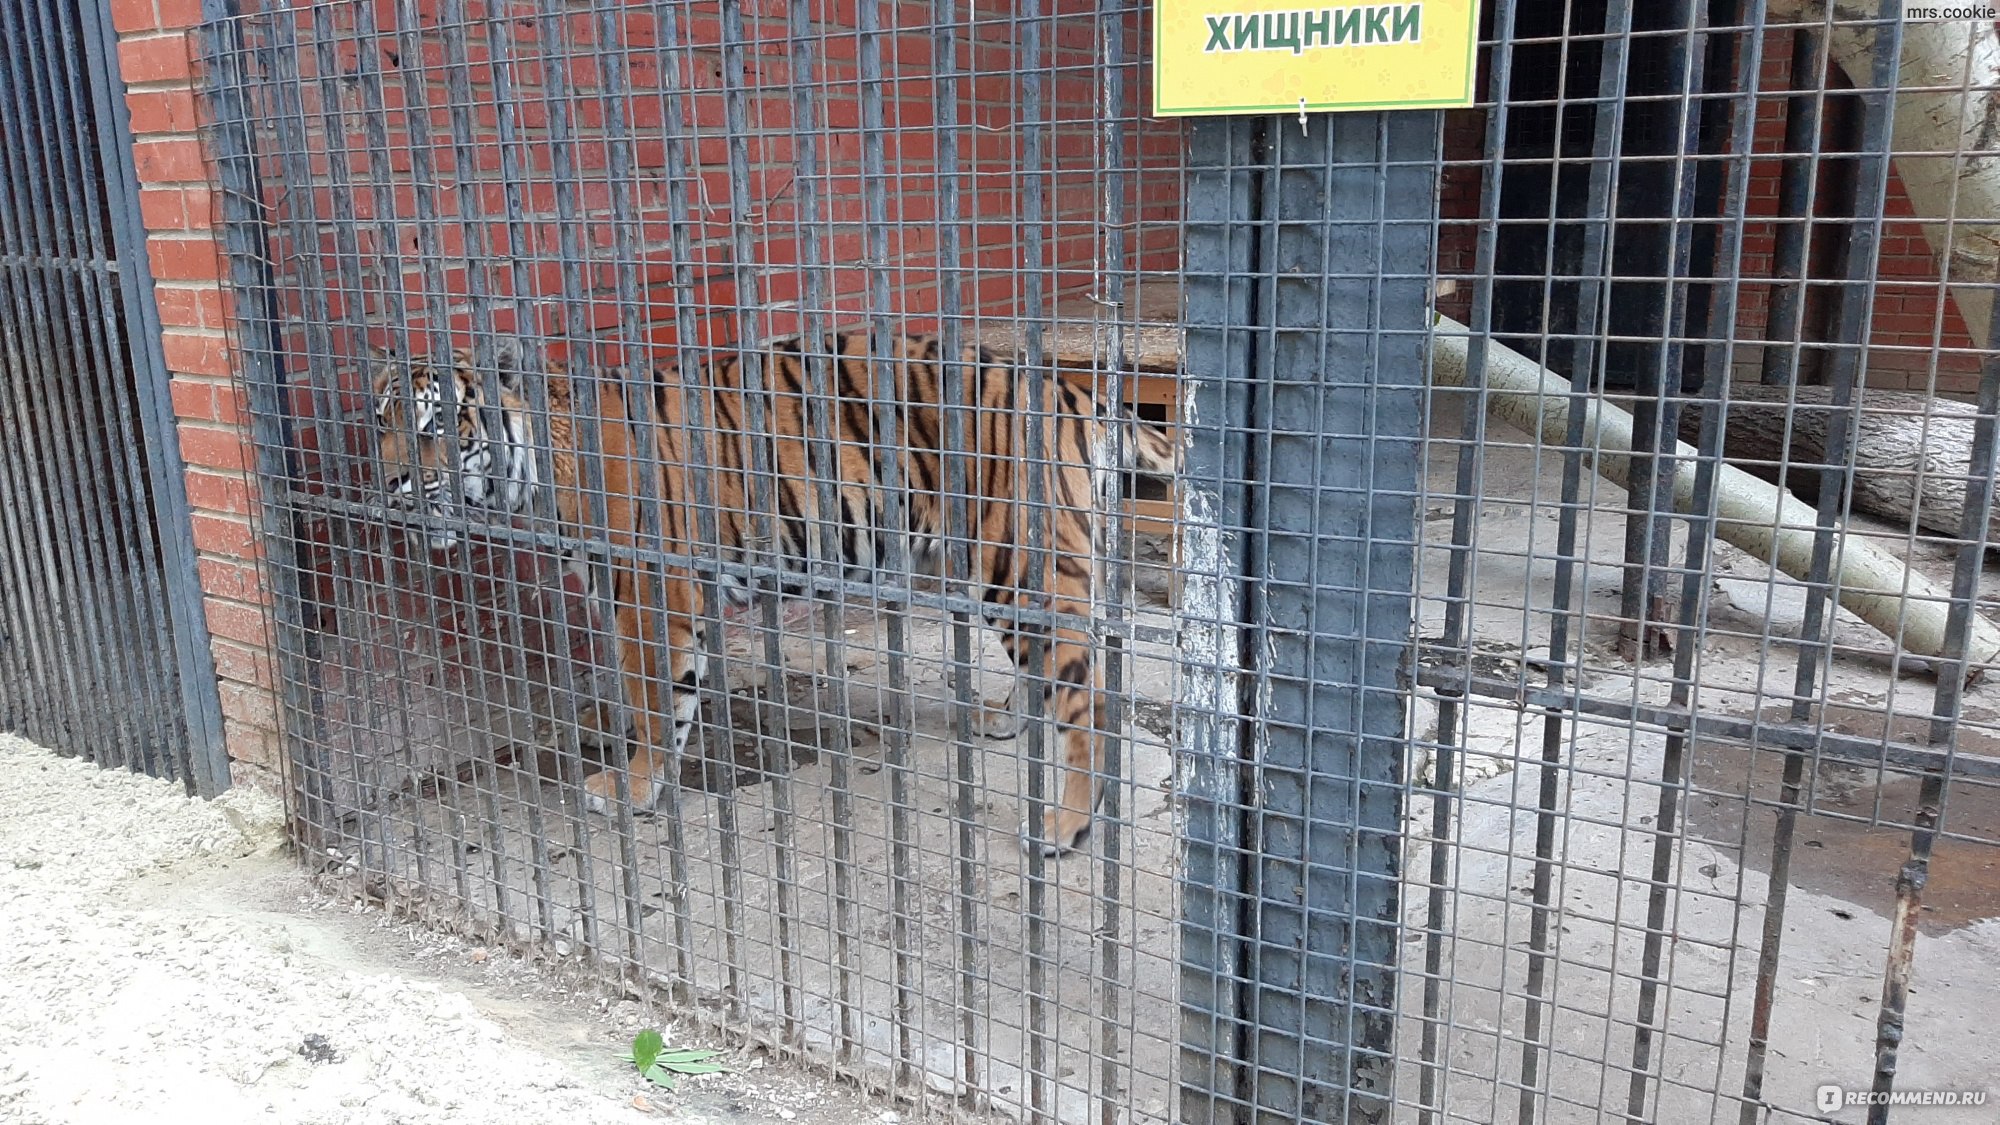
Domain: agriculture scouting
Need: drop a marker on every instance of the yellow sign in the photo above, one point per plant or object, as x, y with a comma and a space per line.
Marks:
1274, 56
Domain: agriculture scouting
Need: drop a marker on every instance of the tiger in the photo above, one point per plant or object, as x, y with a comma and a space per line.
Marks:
1090, 448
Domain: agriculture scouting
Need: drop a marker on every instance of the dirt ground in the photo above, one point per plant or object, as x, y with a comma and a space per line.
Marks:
163, 960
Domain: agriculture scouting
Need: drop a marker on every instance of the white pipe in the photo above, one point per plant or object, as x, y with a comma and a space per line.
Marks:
1768, 522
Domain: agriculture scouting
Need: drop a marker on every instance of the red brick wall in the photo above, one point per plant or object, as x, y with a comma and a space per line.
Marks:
177, 202
1913, 324
990, 203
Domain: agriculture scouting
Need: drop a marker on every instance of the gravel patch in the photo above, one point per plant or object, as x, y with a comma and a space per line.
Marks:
162, 961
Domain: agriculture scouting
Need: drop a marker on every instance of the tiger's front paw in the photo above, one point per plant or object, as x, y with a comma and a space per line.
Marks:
600, 789
996, 718
1063, 831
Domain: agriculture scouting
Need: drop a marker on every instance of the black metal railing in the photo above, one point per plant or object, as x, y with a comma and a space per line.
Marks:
103, 640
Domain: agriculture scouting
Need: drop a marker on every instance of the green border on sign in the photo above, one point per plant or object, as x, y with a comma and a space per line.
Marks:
1471, 75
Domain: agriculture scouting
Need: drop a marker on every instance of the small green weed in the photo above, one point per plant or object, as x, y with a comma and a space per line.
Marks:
659, 1066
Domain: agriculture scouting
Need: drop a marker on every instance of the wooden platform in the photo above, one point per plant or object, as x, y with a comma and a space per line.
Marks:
1080, 336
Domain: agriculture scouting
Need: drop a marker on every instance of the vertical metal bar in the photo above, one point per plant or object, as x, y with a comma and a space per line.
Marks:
207, 761
19, 667
697, 420
411, 63
1655, 411
584, 378
785, 555
888, 380
1222, 256
1853, 331
959, 396
350, 598
232, 141
476, 706
1031, 674
612, 62
822, 406
20, 672
300, 223
1854, 326
1688, 58
1807, 74
757, 404
670, 59
1111, 142
1901, 961
1802, 120
1778, 366
498, 38
1606, 142
454, 30
391, 274
1461, 562
1718, 354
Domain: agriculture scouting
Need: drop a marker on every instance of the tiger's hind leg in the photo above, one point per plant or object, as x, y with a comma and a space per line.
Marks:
659, 693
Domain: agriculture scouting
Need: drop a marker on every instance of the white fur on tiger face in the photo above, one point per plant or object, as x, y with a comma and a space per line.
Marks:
416, 453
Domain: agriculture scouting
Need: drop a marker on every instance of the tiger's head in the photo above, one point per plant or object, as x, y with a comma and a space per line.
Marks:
413, 405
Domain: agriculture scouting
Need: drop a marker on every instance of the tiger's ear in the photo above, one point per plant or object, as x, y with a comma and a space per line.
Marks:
383, 364
507, 361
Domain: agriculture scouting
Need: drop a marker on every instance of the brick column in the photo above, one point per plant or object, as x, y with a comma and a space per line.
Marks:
155, 55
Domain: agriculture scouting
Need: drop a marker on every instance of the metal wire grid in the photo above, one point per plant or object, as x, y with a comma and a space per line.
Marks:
1672, 800
838, 871
102, 648
1664, 1001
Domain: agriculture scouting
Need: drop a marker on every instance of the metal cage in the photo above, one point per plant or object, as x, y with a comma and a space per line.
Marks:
1479, 723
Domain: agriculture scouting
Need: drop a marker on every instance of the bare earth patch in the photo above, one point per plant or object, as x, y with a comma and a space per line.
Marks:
162, 960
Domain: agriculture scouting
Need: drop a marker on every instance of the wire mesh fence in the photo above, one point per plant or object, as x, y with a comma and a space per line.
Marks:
835, 516
1713, 278
716, 301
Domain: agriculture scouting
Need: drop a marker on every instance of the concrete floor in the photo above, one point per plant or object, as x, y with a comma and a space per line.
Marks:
752, 893
1837, 917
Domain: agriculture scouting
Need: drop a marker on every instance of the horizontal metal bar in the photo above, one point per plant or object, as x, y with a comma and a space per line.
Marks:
884, 597
46, 263
1774, 737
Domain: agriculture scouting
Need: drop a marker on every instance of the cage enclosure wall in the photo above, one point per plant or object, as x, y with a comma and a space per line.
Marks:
874, 305
834, 518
